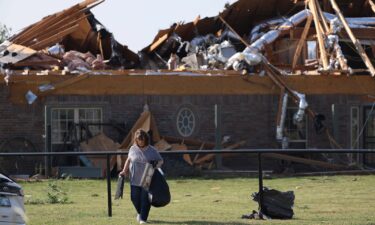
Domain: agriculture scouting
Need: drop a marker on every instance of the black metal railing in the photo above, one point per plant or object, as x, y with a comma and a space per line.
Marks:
190, 152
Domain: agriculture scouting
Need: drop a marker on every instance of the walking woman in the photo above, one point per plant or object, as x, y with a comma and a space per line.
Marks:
140, 153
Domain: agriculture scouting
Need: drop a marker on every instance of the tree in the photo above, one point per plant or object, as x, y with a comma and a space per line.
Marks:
4, 32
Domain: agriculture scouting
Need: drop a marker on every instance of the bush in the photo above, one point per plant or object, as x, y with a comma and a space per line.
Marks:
56, 195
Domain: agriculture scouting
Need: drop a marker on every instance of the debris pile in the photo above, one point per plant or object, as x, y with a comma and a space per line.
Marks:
71, 39
187, 164
74, 40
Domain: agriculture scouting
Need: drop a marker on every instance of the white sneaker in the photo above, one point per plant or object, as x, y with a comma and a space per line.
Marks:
142, 222
138, 218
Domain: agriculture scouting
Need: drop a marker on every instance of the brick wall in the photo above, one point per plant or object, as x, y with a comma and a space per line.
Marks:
251, 118
16, 121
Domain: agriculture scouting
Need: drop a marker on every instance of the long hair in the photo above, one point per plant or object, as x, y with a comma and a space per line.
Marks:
142, 136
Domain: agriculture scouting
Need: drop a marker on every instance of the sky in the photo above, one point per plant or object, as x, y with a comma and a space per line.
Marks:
133, 22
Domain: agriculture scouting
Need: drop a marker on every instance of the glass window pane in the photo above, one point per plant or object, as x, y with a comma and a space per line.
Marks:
71, 114
63, 123
55, 114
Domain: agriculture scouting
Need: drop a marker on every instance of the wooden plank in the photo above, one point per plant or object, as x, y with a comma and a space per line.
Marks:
197, 155
65, 83
182, 147
230, 28
53, 30
305, 161
43, 25
16, 53
160, 41
143, 120
54, 22
110, 85
210, 157
187, 141
355, 41
323, 54
279, 82
154, 129
372, 4
322, 17
89, 3
196, 20
301, 42
53, 39
36, 63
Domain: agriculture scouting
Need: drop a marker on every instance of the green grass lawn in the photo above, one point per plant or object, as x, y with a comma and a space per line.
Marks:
319, 200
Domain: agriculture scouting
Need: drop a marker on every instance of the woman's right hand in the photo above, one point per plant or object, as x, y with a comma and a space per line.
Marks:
124, 173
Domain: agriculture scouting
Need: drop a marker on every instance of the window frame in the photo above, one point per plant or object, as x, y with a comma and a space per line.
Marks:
288, 121
76, 120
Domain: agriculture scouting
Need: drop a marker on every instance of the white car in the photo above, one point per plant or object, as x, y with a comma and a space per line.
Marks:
12, 211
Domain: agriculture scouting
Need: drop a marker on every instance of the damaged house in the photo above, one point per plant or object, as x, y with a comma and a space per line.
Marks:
262, 74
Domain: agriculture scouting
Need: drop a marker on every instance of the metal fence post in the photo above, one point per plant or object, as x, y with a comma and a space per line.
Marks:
109, 186
260, 175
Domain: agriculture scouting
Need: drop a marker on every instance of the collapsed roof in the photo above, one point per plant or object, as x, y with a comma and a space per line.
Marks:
75, 29
242, 36
274, 29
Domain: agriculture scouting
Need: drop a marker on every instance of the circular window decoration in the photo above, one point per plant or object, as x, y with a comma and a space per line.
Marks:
185, 122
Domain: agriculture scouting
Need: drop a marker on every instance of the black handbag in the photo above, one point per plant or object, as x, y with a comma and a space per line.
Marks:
159, 194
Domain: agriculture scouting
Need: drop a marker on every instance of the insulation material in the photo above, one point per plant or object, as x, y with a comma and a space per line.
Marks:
272, 35
237, 60
280, 126
256, 32
337, 59
219, 54
298, 116
57, 49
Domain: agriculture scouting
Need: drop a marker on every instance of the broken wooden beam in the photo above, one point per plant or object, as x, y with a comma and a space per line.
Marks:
322, 17
231, 28
54, 38
210, 157
310, 162
187, 141
355, 41
301, 42
318, 28
372, 4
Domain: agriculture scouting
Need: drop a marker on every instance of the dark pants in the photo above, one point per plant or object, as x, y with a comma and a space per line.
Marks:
140, 201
